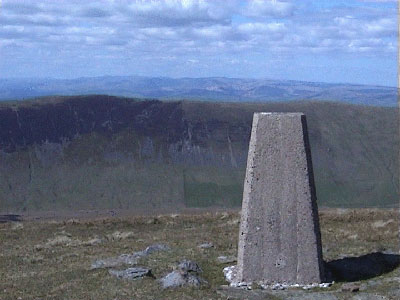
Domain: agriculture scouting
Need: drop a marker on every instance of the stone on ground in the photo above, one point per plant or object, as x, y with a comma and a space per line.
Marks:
226, 259
186, 274
132, 273
128, 259
113, 262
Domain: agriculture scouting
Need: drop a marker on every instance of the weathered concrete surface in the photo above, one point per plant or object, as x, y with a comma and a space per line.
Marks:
279, 238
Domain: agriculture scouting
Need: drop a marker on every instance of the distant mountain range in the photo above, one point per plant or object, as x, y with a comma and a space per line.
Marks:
212, 88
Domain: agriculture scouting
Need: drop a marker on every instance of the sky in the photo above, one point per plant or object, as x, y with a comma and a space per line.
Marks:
343, 41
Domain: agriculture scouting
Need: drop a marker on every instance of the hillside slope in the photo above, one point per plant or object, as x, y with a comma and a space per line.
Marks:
98, 152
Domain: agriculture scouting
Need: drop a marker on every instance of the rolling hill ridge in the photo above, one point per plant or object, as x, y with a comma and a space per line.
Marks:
101, 152
209, 89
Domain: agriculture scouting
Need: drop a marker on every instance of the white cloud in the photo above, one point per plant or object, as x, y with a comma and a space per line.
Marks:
172, 13
188, 30
268, 8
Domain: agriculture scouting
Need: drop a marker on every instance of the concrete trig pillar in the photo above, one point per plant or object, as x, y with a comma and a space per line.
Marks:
279, 238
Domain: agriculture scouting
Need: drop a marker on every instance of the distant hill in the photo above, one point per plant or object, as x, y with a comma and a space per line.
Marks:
100, 152
213, 88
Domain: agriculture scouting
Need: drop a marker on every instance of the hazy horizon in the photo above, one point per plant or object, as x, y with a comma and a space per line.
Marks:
190, 77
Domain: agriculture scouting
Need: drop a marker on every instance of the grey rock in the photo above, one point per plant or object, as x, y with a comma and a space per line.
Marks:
279, 238
230, 273
178, 279
226, 259
173, 279
152, 249
132, 273
128, 259
112, 262
93, 242
363, 287
372, 283
186, 266
206, 246
194, 280
186, 274
155, 248
350, 287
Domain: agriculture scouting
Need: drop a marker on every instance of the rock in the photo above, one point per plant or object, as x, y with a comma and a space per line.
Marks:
173, 279
178, 279
350, 287
155, 248
233, 222
230, 273
63, 232
17, 226
117, 235
224, 216
186, 266
72, 221
153, 221
325, 285
372, 283
223, 287
194, 280
112, 262
206, 246
132, 273
61, 240
381, 223
185, 275
363, 287
226, 259
278, 287
128, 259
92, 242
152, 249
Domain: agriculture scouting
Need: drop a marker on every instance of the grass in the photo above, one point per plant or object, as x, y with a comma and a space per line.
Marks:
51, 259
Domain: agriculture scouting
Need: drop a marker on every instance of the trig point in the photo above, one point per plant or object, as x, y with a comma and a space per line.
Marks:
279, 238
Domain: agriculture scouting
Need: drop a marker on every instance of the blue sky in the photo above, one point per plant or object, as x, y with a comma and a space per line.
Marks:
350, 41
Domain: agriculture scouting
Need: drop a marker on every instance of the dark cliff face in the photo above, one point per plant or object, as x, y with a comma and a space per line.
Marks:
108, 152
56, 122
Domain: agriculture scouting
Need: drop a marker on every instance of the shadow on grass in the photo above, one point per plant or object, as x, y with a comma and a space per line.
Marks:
363, 267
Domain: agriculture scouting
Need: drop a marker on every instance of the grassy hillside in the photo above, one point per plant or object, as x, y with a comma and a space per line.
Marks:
354, 148
100, 152
51, 259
